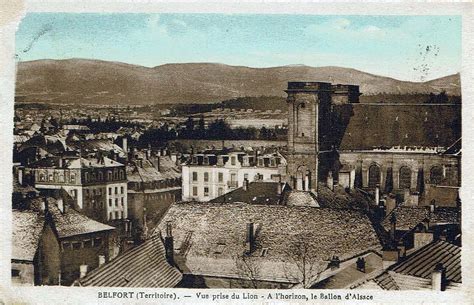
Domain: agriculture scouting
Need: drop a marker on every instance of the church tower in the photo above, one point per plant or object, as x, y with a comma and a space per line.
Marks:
309, 124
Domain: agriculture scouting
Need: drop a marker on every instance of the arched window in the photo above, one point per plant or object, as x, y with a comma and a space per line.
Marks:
436, 175
374, 176
405, 178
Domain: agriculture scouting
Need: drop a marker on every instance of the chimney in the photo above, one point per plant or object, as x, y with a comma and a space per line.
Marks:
360, 264
157, 162
83, 271
330, 181
60, 204
250, 238
390, 256
438, 278
245, 186
279, 187
20, 176
101, 260
377, 194
124, 145
169, 247
393, 226
60, 162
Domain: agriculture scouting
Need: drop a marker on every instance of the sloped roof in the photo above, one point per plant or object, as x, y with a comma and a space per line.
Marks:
75, 163
201, 229
258, 192
299, 198
104, 145
149, 173
392, 125
26, 231
414, 272
74, 223
142, 266
408, 217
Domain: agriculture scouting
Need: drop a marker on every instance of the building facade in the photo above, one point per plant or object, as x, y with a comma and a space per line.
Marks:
213, 173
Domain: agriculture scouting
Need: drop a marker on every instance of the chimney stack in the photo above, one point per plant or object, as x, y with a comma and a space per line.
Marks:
393, 226
250, 238
83, 271
245, 186
438, 278
101, 260
124, 145
20, 176
279, 186
169, 246
377, 194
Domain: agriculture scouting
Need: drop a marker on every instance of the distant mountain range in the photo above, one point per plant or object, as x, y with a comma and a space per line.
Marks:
101, 82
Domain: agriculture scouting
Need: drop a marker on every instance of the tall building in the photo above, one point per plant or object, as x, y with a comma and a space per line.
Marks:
98, 185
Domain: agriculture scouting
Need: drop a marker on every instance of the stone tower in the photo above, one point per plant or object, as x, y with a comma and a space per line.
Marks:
309, 105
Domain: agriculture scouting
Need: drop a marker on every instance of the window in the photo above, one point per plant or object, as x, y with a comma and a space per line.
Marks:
232, 160
101, 176
374, 175
195, 191
220, 177
436, 175
88, 243
73, 178
66, 245
121, 214
206, 177
110, 216
121, 190
117, 215
110, 202
110, 191
195, 176
86, 177
76, 245
206, 191
116, 202
50, 177
405, 178
116, 190
15, 273
220, 191
121, 199
97, 242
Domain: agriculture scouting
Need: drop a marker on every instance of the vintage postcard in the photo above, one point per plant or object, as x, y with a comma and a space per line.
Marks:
263, 153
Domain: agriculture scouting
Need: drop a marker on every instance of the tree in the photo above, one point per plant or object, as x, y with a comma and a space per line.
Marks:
248, 270
304, 266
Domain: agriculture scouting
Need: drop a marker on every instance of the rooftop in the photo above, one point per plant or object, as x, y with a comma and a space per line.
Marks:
142, 266
210, 237
258, 192
27, 227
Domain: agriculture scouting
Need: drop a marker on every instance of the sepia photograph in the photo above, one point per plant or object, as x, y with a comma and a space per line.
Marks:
286, 153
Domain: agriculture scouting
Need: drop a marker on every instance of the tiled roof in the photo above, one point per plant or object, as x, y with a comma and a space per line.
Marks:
258, 192
73, 163
23, 189
142, 266
391, 125
340, 198
211, 236
91, 145
26, 231
408, 217
414, 272
149, 173
299, 198
422, 262
74, 223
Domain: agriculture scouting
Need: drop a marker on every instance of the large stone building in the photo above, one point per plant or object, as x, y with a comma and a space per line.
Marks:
407, 149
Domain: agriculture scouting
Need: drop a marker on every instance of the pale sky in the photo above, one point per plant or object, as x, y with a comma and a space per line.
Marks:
412, 48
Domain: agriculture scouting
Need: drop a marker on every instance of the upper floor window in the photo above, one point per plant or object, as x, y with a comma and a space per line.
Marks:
206, 177
195, 176
220, 177
232, 160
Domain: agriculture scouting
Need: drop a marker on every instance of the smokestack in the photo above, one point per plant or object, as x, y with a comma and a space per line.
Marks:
438, 278
101, 260
245, 186
83, 271
169, 247
250, 238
